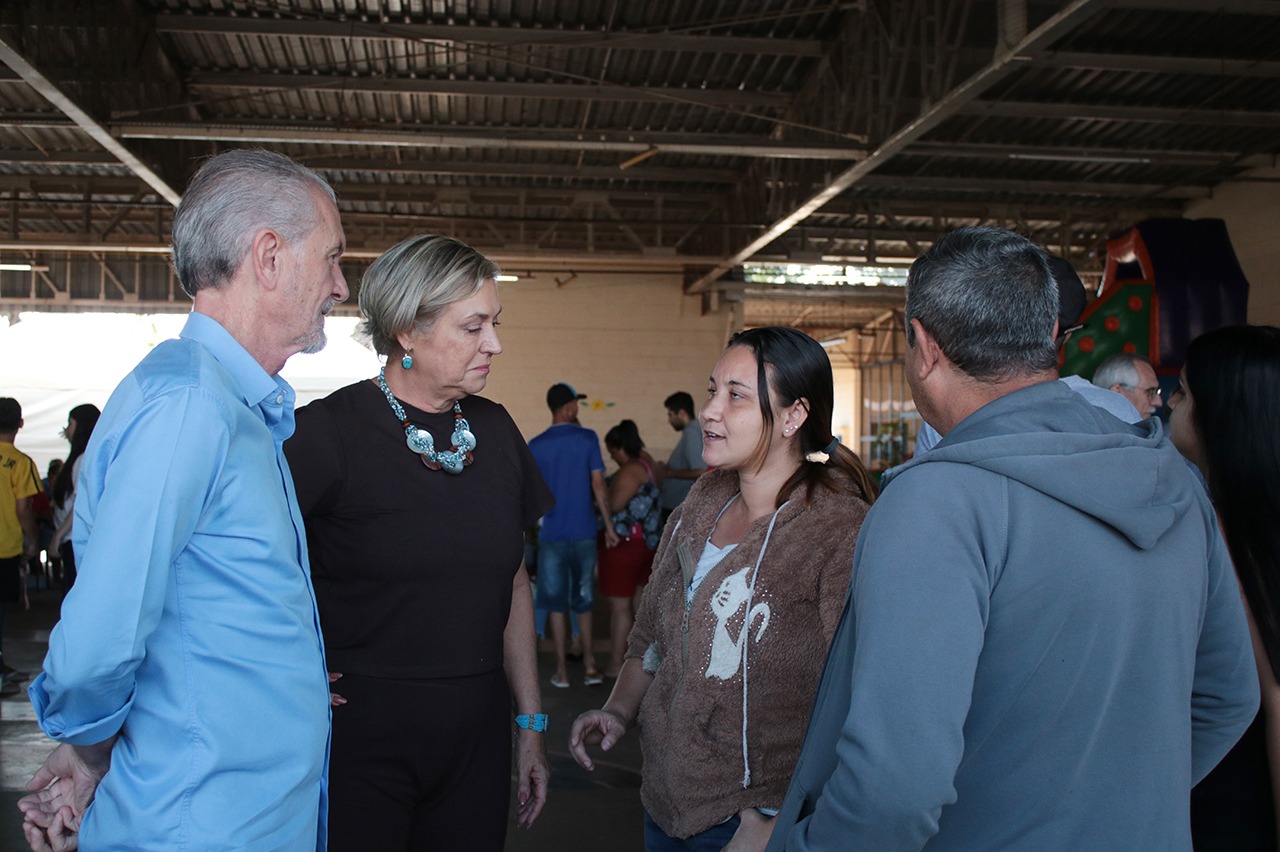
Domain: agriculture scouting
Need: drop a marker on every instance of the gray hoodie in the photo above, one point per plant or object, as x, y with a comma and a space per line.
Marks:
1043, 649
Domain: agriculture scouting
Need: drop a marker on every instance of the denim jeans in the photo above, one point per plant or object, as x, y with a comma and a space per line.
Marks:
712, 840
566, 575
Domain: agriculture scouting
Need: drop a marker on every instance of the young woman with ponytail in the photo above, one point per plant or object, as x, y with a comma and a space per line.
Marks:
748, 585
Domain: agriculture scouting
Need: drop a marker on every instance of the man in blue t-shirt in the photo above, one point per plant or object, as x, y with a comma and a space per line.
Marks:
569, 458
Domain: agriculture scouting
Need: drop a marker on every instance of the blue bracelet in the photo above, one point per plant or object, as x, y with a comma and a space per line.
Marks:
536, 722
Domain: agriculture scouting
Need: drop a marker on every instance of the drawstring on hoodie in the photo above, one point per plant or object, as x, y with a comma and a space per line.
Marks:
746, 641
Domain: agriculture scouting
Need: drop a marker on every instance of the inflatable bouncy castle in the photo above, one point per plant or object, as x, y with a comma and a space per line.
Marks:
1166, 282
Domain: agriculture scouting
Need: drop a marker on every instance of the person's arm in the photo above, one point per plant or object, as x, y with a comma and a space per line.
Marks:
604, 727
600, 495
63, 532
834, 563
27, 521
624, 485
834, 578
139, 503
519, 655
920, 604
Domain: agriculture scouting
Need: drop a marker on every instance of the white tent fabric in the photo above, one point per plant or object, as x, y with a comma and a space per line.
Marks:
51, 363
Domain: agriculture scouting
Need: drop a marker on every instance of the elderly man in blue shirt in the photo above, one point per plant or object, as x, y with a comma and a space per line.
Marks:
187, 672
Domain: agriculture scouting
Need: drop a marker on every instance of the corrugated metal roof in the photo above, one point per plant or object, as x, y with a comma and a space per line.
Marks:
688, 135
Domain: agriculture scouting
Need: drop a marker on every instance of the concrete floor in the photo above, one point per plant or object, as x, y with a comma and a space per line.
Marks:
585, 811
22, 745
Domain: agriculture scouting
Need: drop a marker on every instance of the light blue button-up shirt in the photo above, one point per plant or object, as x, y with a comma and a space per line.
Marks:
192, 628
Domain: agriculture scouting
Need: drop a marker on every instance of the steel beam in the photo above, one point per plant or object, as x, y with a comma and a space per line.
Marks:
497, 138
42, 84
1002, 66
1123, 112
237, 27
1149, 64
490, 89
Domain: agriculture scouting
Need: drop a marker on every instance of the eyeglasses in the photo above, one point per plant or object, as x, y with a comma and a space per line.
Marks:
1151, 392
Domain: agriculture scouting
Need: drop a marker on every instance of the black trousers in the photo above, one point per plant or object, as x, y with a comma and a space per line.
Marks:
68, 557
10, 588
1231, 808
420, 764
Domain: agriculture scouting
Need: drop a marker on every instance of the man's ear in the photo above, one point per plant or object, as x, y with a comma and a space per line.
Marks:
266, 254
928, 352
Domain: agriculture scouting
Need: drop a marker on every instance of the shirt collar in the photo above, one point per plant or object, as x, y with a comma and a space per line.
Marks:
272, 395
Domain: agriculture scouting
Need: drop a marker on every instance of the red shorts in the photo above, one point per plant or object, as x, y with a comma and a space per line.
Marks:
623, 569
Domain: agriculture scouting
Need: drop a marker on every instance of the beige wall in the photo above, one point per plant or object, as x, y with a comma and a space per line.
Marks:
846, 416
627, 341
1252, 214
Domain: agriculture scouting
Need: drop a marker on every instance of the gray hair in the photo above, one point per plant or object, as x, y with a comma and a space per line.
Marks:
411, 283
1119, 369
988, 298
232, 197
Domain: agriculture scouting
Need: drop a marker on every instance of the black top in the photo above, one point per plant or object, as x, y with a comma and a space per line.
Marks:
412, 567
1231, 808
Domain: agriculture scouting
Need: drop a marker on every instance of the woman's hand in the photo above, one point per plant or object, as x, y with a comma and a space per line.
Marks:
754, 830
534, 777
594, 727
604, 727
335, 700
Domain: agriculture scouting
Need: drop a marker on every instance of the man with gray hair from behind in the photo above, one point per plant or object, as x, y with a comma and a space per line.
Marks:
1053, 656
1133, 377
186, 680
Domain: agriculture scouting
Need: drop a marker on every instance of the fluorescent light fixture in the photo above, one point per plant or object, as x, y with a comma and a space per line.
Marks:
833, 341
16, 267
508, 278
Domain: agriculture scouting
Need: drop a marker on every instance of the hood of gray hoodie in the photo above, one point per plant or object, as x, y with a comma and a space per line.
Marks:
1046, 437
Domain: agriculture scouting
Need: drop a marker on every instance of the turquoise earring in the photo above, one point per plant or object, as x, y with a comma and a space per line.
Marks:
407, 360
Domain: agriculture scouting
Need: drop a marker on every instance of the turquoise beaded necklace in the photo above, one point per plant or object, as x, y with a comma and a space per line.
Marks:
421, 442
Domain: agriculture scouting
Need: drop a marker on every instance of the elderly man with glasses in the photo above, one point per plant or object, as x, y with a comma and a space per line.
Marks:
1133, 377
